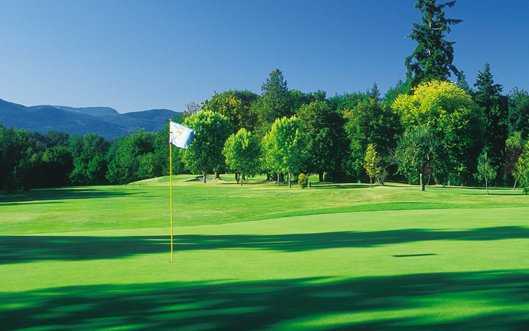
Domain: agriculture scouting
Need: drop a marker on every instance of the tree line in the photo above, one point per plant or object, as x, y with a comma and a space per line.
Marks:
431, 127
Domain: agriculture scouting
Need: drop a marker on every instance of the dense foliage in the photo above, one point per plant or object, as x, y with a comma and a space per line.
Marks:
242, 152
425, 129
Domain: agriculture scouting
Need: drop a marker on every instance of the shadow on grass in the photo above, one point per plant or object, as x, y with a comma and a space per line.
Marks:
17, 249
492, 301
50, 195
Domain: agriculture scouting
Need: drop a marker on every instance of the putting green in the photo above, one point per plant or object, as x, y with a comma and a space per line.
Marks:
265, 257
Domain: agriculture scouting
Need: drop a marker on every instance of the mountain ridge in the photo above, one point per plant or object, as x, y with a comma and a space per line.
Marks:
104, 121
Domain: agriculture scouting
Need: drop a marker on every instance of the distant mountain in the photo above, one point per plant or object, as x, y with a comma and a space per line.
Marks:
104, 121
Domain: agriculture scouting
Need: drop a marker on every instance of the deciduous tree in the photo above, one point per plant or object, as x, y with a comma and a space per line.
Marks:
451, 117
323, 127
485, 171
285, 147
204, 155
242, 152
372, 163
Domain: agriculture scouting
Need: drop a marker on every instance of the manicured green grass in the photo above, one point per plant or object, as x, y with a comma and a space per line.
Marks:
340, 257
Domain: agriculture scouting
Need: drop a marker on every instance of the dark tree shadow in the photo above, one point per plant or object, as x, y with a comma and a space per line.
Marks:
50, 195
253, 305
15, 249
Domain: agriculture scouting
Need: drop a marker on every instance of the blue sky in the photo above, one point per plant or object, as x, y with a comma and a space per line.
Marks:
135, 55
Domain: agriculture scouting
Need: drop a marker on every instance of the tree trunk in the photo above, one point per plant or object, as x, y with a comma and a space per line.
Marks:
241, 178
320, 176
204, 177
237, 177
277, 181
515, 182
423, 186
487, 186
289, 180
217, 175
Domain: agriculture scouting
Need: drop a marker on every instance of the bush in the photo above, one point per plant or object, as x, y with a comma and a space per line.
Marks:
303, 180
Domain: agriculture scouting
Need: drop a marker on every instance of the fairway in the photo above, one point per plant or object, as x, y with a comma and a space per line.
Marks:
261, 256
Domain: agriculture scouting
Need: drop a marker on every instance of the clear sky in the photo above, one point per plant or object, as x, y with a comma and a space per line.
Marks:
135, 55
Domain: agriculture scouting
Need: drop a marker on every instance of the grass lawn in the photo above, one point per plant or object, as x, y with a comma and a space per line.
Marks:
333, 257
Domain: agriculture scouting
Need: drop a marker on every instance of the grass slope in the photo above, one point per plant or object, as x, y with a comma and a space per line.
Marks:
265, 257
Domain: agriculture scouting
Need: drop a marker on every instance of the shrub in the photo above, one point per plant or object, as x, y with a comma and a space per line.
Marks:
303, 180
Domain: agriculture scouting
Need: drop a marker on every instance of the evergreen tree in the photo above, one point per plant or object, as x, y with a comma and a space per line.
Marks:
274, 102
463, 83
374, 92
519, 112
495, 110
433, 56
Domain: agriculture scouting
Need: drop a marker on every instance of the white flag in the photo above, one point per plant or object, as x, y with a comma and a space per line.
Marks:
179, 135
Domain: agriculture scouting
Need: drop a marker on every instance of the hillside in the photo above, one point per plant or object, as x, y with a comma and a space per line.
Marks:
104, 121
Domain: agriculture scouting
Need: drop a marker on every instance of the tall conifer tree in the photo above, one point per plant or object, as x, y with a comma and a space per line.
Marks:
488, 95
433, 56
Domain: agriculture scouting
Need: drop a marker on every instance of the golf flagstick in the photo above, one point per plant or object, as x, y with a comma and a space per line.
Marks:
181, 137
171, 197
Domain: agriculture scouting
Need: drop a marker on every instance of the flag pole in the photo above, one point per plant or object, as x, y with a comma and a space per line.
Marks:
171, 197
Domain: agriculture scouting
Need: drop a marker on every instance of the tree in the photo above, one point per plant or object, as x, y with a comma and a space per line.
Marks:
161, 153
285, 147
204, 155
131, 158
417, 154
521, 172
323, 127
57, 164
519, 112
513, 149
463, 83
347, 102
274, 101
298, 99
494, 106
451, 117
89, 154
372, 163
242, 152
402, 87
370, 122
236, 106
485, 170
20, 156
433, 56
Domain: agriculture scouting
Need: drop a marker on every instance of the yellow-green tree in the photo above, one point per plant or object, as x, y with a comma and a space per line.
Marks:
372, 163
452, 119
521, 171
